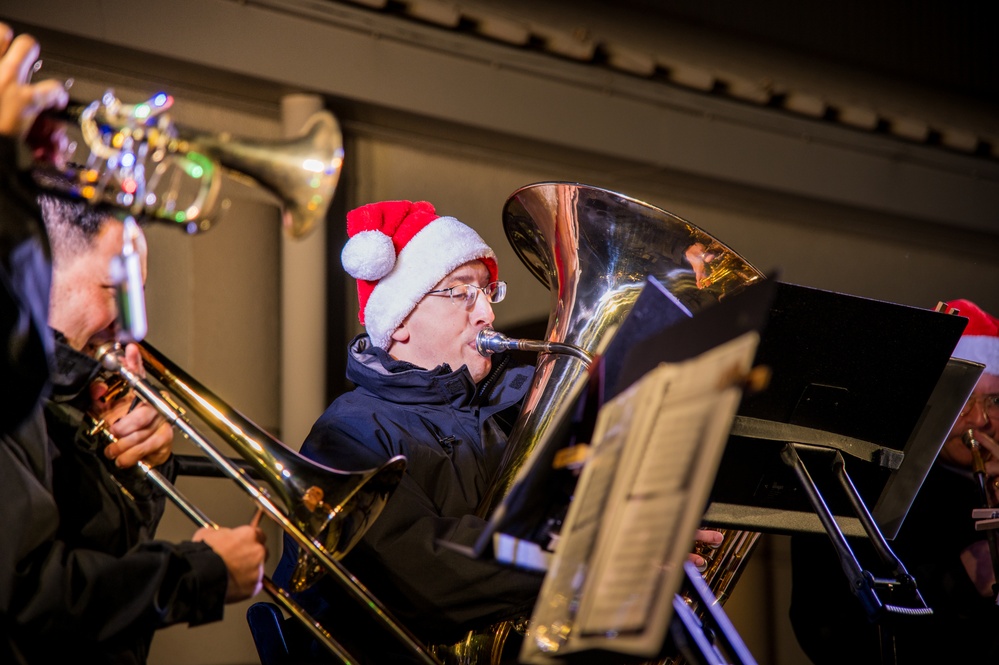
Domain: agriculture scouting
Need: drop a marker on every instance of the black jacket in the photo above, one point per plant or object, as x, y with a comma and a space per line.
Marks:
453, 434
80, 578
25, 342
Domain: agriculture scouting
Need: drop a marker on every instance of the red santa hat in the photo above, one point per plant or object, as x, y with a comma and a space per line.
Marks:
397, 252
980, 340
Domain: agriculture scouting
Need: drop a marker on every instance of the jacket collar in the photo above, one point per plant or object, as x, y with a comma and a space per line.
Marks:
373, 369
73, 370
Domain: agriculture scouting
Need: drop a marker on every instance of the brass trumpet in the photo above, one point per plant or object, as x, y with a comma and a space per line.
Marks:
326, 511
134, 158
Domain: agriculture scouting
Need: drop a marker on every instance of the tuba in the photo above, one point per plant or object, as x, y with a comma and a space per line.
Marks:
135, 159
594, 250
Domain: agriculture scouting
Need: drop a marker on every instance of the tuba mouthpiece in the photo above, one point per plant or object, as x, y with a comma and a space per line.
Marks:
488, 342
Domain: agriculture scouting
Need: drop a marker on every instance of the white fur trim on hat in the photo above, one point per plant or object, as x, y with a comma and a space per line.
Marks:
980, 349
369, 255
427, 258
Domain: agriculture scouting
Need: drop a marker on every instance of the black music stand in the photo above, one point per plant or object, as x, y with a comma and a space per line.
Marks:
710, 639
845, 376
844, 387
530, 509
850, 420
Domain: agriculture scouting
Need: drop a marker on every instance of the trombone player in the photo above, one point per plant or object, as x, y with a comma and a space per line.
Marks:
80, 575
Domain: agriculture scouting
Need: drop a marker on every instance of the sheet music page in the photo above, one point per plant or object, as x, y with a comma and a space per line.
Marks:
568, 569
642, 550
639, 501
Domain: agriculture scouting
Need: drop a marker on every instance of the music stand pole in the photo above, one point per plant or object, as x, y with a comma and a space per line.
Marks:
862, 582
696, 638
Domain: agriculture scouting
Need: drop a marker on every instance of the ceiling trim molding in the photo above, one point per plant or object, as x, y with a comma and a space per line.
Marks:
352, 53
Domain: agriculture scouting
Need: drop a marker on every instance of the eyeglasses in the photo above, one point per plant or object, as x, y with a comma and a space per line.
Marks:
990, 405
467, 293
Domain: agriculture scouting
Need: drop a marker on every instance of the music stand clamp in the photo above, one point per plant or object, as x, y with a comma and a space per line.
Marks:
881, 597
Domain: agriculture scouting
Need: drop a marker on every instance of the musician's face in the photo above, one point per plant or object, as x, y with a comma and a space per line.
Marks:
440, 330
977, 419
82, 305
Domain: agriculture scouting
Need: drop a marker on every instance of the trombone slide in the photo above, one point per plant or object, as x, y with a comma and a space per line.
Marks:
111, 359
280, 596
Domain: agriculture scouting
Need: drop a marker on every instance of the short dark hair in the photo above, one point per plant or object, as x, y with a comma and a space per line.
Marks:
72, 226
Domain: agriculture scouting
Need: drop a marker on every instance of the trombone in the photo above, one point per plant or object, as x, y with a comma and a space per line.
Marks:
318, 500
279, 595
141, 164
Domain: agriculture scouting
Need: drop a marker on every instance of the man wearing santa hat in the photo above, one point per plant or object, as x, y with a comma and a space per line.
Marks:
426, 285
979, 343
938, 545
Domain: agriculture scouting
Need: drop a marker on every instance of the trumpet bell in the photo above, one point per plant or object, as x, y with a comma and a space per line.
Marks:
302, 172
133, 158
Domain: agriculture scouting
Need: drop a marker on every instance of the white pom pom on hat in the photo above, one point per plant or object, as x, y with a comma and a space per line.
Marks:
368, 255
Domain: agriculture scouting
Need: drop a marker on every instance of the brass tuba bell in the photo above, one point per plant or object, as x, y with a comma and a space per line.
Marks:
594, 249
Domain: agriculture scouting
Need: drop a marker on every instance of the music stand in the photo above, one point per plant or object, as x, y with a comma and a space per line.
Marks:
515, 534
871, 379
843, 381
526, 512
653, 457
862, 398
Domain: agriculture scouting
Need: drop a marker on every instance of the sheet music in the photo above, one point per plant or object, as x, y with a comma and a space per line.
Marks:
650, 515
639, 501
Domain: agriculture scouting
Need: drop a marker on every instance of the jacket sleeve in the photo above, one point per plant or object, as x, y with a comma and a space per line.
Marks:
24, 294
48, 588
430, 581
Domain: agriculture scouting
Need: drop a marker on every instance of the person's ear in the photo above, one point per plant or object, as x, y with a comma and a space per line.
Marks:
401, 334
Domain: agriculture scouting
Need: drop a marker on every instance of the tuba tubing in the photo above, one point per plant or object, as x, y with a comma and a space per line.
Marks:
218, 417
488, 342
